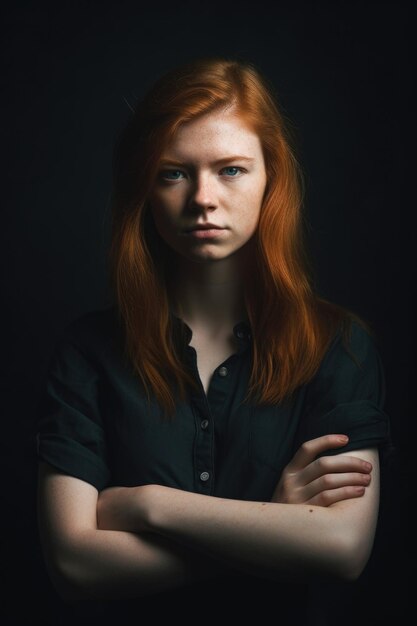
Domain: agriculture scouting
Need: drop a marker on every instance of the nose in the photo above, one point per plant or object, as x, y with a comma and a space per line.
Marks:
203, 194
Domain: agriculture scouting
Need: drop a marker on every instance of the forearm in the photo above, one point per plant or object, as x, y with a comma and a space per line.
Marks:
263, 538
85, 561
115, 564
292, 541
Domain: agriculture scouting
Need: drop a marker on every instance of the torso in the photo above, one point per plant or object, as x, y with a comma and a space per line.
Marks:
210, 354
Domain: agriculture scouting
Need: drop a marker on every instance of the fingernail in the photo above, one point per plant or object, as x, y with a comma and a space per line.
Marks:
368, 466
343, 438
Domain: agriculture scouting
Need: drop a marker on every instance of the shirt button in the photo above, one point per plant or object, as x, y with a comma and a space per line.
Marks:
223, 371
204, 424
204, 476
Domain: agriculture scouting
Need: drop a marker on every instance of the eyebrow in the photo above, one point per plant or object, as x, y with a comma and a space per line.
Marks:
232, 157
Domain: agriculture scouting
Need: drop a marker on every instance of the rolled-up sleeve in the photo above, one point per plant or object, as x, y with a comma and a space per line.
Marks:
347, 395
70, 434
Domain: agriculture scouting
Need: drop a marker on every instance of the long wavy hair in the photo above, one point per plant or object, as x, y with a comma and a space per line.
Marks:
291, 325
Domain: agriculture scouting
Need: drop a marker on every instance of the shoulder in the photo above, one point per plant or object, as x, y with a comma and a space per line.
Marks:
94, 332
347, 394
351, 369
91, 325
354, 344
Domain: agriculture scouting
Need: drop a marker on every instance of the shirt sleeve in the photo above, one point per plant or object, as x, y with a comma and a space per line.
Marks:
70, 434
347, 396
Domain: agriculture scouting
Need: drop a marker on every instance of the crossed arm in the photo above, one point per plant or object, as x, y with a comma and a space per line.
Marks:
134, 541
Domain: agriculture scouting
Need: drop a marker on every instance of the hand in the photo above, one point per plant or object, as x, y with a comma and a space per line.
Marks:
125, 508
325, 480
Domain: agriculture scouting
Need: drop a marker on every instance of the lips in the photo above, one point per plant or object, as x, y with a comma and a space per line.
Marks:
204, 227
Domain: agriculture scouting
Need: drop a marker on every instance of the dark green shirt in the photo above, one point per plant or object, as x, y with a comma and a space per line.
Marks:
94, 422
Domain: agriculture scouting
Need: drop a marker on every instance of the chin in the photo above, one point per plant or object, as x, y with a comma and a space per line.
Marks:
206, 253
205, 258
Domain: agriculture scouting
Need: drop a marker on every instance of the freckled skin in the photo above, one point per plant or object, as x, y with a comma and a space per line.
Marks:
204, 191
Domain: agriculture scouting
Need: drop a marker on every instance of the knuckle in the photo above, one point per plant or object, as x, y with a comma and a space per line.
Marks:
322, 463
286, 484
293, 496
306, 446
325, 498
286, 474
328, 481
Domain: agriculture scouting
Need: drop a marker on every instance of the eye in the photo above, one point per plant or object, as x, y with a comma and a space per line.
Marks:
234, 167
165, 174
172, 175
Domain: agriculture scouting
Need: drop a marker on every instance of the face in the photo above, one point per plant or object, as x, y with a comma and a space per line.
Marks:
213, 172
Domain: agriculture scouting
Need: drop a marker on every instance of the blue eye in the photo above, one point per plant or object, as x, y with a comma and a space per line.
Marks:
169, 175
166, 172
232, 167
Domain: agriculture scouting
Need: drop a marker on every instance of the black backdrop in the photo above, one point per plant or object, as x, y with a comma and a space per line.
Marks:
344, 74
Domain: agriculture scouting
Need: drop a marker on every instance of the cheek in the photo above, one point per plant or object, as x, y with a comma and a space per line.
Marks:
251, 216
168, 201
163, 225
163, 212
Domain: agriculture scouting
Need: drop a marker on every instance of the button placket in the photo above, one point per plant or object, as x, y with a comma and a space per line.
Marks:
204, 446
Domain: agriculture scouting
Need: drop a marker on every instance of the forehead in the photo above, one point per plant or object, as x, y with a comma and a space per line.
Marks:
212, 136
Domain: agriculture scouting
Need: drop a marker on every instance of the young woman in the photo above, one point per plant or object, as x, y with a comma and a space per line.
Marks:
219, 417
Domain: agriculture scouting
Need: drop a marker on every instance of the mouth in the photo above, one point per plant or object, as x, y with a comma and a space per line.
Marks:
205, 227
205, 233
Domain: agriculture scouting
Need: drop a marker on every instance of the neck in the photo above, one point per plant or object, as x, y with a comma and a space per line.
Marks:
209, 295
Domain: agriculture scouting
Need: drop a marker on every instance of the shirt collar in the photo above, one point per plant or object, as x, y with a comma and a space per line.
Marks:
241, 330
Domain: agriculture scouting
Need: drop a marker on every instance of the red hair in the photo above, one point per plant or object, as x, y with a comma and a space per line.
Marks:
291, 325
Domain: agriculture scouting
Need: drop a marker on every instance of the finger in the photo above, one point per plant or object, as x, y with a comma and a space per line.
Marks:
331, 496
310, 449
335, 481
333, 465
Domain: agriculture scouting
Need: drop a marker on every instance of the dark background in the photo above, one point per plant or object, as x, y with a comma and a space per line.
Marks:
344, 74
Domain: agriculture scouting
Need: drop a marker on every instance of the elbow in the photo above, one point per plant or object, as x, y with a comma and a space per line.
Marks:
350, 570
68, 575
353, 555
63, 575
354, 568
